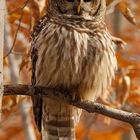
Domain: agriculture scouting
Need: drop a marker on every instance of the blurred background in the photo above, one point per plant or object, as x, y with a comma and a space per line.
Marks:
17, 120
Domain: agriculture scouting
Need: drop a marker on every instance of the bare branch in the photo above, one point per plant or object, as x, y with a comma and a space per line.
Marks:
91, 107
15, 38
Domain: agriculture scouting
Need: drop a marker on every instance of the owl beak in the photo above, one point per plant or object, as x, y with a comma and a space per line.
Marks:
78, 8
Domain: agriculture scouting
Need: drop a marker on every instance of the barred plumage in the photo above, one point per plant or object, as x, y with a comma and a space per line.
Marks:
74, 52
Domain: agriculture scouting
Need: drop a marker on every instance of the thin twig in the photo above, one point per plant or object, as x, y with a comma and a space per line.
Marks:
15, 38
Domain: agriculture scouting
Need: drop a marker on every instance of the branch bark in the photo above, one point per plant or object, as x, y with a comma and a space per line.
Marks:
2, 21
91, 107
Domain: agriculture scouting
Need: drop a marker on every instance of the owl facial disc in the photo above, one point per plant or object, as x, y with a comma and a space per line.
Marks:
78, 7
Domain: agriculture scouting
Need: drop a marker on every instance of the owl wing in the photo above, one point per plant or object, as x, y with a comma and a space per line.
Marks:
37, 100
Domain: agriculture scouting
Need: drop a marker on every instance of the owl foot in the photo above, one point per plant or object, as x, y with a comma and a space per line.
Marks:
76, 97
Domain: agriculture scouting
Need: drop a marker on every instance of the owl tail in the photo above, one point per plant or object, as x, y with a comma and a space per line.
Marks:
59, 120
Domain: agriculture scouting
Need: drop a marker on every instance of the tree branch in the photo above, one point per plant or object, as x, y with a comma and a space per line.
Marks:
91, 107
16, 34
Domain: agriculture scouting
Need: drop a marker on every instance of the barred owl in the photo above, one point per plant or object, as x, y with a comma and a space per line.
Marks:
72, 49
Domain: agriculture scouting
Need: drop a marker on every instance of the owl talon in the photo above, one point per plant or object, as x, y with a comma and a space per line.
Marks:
76, 97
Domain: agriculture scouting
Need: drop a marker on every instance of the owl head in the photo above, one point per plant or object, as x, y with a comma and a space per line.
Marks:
79, 8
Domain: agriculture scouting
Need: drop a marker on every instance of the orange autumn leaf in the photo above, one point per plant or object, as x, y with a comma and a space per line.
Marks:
122, 6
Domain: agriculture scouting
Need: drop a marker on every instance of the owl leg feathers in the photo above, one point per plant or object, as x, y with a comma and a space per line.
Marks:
59, 120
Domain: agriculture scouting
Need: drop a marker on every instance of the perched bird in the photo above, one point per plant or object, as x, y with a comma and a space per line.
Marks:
73, 50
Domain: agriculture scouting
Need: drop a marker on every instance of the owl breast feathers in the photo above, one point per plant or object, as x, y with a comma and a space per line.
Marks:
73, 52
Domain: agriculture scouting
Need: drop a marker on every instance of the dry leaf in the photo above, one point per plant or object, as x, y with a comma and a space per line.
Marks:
122, 6
108, 2
123, 89
25, 60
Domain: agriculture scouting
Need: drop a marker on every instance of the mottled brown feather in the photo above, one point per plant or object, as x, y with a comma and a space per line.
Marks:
75, 53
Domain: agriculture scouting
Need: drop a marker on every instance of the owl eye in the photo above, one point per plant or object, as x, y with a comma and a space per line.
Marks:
87, 0
70, 0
